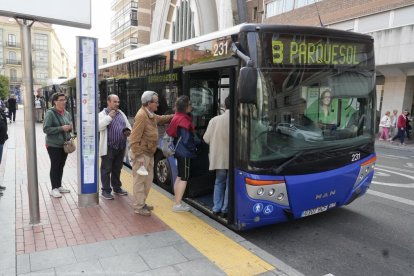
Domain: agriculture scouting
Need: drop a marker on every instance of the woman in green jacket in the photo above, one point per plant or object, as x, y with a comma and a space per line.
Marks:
57, 126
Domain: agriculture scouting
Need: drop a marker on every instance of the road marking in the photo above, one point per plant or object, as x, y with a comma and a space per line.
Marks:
392, 156
227, 254
391, 197
394, 169
408, 185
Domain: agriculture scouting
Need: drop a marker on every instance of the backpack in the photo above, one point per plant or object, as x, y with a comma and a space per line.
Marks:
167, 147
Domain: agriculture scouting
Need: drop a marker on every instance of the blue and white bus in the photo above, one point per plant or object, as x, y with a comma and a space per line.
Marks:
290, 156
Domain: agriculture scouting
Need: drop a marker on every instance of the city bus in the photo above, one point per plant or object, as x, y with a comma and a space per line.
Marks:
292, 154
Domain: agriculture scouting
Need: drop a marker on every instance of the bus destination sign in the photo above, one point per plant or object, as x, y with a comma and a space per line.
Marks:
317, 52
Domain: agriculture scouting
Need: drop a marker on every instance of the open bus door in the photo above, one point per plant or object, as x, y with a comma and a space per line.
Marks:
207, 90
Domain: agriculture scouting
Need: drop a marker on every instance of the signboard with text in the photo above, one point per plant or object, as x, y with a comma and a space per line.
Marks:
87, 96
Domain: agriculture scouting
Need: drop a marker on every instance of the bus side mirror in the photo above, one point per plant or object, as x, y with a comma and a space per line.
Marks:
247, 85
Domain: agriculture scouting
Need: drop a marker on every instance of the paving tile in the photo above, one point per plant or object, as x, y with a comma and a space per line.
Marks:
51, 258
86, 252
198, 267
131, 244
188, 251
123, 264
23, 263
84, 268
163, 271
163, 256
45, 272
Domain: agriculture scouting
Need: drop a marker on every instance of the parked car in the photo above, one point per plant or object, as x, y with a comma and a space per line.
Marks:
307, 133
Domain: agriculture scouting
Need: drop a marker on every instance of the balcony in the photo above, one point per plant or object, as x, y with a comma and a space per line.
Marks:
124, 28
12, 44
13, 62
15, 80
132, 41
39, 47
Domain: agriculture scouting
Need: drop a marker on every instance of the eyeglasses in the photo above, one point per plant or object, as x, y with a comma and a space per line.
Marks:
156, 102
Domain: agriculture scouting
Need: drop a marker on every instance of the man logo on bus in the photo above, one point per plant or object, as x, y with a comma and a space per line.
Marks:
325, 195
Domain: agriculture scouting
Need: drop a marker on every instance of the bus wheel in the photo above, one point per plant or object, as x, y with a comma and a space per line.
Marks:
162, 171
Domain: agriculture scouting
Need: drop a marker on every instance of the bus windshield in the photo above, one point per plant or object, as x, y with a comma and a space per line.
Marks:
305, 110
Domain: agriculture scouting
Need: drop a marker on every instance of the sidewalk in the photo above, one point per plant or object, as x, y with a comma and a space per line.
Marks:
109, 239
409, 144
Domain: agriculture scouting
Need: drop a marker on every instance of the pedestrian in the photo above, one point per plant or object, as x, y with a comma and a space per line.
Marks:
385, 125
12, 105
57, 126
3, 138
393, 127
408, 127
39, 107
186, 142
401, 125
144, 141
217, 136
114, 128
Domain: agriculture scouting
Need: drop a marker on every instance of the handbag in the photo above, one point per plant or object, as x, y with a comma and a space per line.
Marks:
69, 146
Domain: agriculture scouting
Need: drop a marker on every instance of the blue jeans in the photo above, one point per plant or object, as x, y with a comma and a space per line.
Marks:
220, 197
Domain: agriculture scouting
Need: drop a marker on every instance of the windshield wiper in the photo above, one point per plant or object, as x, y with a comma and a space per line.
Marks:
293, 158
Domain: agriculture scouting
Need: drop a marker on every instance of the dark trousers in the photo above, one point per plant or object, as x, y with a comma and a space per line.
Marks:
57, 162
111, 166
400, 134
12, 112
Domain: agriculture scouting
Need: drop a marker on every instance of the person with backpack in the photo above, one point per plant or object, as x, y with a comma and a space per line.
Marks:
143, 141
186, 142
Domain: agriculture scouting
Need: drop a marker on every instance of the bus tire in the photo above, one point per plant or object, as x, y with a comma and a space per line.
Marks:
162, 171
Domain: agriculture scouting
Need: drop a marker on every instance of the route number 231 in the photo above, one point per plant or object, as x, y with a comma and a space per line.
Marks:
220, 49
356, 156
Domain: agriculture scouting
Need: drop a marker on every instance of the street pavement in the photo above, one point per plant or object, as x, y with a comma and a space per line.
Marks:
109, 239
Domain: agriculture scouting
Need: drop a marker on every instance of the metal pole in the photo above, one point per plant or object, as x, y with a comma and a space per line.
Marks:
30, 134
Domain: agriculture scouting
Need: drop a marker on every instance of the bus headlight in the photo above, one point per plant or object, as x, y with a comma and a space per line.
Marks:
267, 189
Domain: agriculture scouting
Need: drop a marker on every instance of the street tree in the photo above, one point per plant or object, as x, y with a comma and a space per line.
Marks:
4, 87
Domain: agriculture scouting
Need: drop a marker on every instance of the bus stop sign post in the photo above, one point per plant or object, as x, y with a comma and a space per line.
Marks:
87, 120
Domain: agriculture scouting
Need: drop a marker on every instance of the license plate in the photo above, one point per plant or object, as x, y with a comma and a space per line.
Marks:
314, 211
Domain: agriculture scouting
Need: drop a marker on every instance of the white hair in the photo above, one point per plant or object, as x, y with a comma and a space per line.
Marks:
147, 96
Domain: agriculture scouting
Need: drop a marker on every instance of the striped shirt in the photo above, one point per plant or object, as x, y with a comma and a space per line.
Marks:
116, 138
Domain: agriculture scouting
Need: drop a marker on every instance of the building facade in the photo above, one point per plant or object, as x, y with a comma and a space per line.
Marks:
130, 26
49, 59
390, 23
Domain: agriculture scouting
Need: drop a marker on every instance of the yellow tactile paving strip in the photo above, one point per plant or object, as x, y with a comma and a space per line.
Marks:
228, 255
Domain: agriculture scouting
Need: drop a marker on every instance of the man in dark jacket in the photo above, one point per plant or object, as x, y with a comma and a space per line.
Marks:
12, 105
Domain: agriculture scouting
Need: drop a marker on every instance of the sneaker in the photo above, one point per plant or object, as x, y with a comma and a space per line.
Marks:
107, 195
143, 212
402, 144
148, 207
381, 139
63, 190
55, 193
121, 192
2, 188
181, 208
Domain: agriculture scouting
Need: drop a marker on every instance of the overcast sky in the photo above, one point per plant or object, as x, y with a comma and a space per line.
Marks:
101, 22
